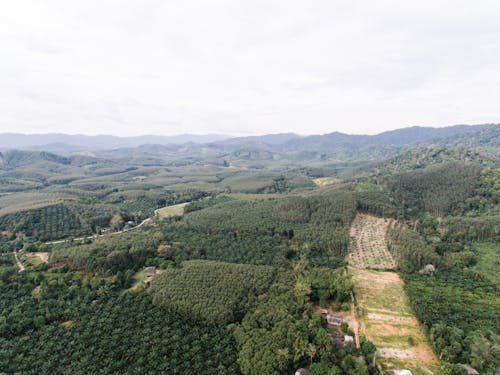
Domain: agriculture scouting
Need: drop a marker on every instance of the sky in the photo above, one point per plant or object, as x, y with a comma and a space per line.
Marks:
247, 67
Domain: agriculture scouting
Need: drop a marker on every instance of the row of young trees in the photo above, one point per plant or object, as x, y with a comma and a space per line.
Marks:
458, 306
438, 189
45, 223
122, 334
215, 292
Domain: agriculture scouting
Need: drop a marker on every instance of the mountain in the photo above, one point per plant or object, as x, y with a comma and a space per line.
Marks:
487, 135
65, 143
400, 137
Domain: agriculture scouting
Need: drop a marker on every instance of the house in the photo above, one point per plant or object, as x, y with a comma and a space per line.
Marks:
302, 371
399, 372
335, 320
470, 370
324, 312
348, 338
150, 272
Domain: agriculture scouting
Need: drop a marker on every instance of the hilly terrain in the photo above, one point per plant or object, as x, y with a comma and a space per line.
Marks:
339, 254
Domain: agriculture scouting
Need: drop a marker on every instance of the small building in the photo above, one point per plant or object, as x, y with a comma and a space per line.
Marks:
150, 272
399, 372
335, 320
470, 370
302, 371
324, 312
348, 338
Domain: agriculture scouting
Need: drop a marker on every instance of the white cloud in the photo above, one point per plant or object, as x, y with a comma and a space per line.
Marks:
166, 67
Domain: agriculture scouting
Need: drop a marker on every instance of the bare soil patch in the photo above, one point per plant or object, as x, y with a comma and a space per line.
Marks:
368, 243
43, 256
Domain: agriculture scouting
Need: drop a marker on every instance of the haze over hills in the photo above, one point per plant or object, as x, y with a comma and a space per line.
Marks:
471, 135
487, 135
69, 143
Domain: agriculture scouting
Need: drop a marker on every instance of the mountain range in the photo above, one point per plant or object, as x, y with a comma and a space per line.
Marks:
468, 135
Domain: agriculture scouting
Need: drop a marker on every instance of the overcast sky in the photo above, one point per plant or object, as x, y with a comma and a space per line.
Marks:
246, 67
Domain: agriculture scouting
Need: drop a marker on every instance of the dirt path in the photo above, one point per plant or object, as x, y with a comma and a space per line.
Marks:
386, 317
102, 235
18, 262
167, 211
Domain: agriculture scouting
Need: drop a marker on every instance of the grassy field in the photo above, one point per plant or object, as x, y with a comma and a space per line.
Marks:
169, 211
488, 260
388, 321
139, 279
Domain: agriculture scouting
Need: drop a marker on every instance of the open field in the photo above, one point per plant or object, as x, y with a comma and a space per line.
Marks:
175, 210
388, 321
368, 247
324, 181
37, 258
386, 317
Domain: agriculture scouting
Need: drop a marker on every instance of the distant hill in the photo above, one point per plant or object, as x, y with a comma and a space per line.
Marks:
401, 137
65, 143
383, 144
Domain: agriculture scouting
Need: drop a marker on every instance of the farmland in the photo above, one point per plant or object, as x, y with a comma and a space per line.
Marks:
385, 314
388, 321
169, 211
368, 245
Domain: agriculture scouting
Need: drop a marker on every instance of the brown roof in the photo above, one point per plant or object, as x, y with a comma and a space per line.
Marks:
334, 319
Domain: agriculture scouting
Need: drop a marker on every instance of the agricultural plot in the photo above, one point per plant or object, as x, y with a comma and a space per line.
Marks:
386, 317
368, 247
175, 210
388, 321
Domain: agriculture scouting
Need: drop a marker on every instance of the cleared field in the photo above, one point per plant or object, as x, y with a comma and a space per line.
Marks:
324, 181
386, 317
388, 321
368, 247
175, 210
37, 258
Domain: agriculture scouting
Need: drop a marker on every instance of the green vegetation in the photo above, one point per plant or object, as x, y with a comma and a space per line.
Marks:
458, 305
213, 291
257, 248
46, 223
488, 260
95, 330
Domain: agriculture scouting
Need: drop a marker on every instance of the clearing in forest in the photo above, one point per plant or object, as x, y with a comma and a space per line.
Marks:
325, 181
386, 317
175, 210
35, 259
368, 247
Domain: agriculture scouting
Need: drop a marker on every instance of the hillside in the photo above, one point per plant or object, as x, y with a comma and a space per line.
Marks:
256, 255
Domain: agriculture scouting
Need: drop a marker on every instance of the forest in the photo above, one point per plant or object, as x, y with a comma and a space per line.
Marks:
235, 282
